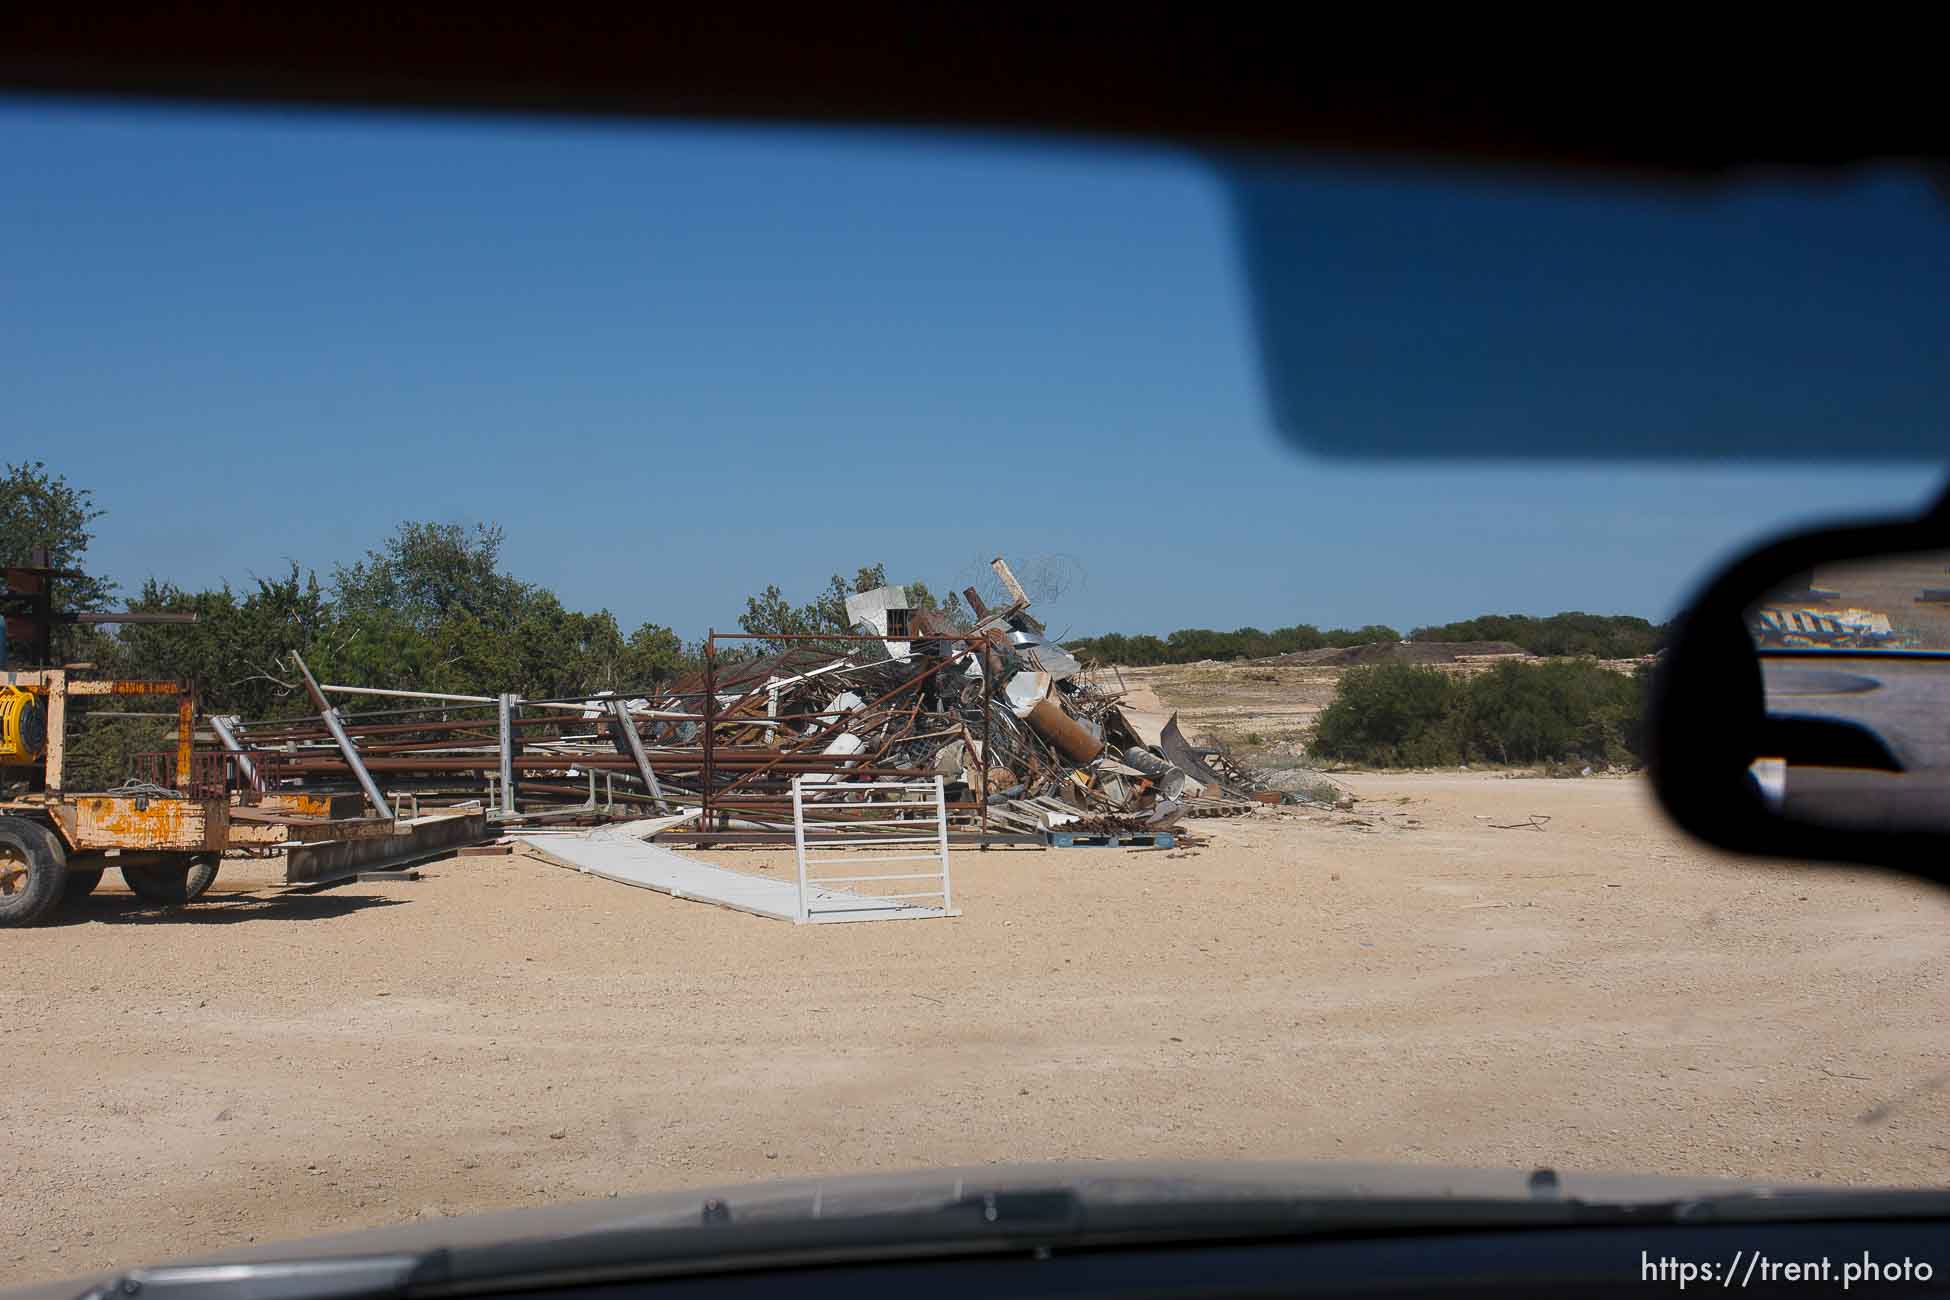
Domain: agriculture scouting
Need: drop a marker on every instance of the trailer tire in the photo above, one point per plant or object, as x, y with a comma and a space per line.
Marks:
170, 882
80, 883
33, 868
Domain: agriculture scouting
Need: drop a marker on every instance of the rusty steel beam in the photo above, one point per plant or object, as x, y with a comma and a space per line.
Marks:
601, 762
330, 717
626, 729
126, 616
185, 733
710, 727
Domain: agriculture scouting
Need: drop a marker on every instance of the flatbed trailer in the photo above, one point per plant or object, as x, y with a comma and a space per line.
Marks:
168, 836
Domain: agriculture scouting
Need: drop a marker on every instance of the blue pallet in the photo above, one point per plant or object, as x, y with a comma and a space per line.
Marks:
1129, 840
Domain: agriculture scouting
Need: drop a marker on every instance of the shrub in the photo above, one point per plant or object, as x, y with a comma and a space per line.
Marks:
1566, 711
1389, 715
1562, 710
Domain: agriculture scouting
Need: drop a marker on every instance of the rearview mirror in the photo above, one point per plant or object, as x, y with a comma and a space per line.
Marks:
1802, 708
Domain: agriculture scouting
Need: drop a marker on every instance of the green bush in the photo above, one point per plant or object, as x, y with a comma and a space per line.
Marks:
1398, 715
1389, 715
1561, 710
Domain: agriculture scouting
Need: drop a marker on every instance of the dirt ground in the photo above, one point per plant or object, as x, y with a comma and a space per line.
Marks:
1407, 983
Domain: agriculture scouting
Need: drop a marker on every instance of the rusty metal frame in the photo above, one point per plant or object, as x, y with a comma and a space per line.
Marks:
710, 695
732, 770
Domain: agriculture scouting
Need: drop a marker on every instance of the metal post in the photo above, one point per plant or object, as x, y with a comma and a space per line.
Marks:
330, 716
799, 844
710, 716
57, 731
222, 724
941, 820
506, 705
185, 733
987, 753
330, 689
635, 742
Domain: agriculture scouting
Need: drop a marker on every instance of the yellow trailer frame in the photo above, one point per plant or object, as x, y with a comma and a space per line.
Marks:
109, 822
321, 836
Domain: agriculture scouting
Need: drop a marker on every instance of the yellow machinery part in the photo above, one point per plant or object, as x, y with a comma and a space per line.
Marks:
23, 726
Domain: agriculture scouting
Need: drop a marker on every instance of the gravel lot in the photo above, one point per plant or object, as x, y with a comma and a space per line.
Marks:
1405, 983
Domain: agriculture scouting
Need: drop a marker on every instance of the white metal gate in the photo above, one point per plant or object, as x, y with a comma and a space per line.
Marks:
817, 902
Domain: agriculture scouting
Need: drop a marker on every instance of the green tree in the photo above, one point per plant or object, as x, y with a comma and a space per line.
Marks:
948, 607
769, 614
1564, 710
1559, 711
42, 509
38, 508
426, 572
1369, 635
235, 654
654, 655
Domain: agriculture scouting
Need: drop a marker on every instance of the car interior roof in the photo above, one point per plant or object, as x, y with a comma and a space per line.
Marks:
1201, 79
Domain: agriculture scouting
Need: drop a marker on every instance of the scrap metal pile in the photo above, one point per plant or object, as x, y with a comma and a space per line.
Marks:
1023, 737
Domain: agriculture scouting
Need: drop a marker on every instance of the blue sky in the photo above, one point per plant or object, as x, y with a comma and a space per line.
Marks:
679, 363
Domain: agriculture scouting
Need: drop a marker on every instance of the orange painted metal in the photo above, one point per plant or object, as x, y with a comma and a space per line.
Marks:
1061, 730
185, 731
108, 821
89, 687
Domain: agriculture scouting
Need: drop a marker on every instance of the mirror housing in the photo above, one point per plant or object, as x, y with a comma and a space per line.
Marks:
1735, 716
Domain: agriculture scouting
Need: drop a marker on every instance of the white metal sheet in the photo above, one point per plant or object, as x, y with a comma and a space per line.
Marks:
650, 866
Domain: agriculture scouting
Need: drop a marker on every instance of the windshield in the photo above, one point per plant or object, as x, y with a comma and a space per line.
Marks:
483, 598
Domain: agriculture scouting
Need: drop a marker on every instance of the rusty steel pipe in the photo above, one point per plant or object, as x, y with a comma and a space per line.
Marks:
806, 763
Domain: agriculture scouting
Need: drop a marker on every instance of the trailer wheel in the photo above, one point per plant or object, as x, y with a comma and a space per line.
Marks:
173, 882
33, 868
80, 883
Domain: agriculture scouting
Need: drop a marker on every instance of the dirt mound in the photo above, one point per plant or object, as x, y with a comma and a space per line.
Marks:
1395, 652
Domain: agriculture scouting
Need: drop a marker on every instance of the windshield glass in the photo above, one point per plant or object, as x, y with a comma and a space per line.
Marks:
900, 530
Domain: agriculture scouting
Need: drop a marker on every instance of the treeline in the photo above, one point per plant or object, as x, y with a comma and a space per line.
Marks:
1190, 645
1605, 636
429, 610
1563, 710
